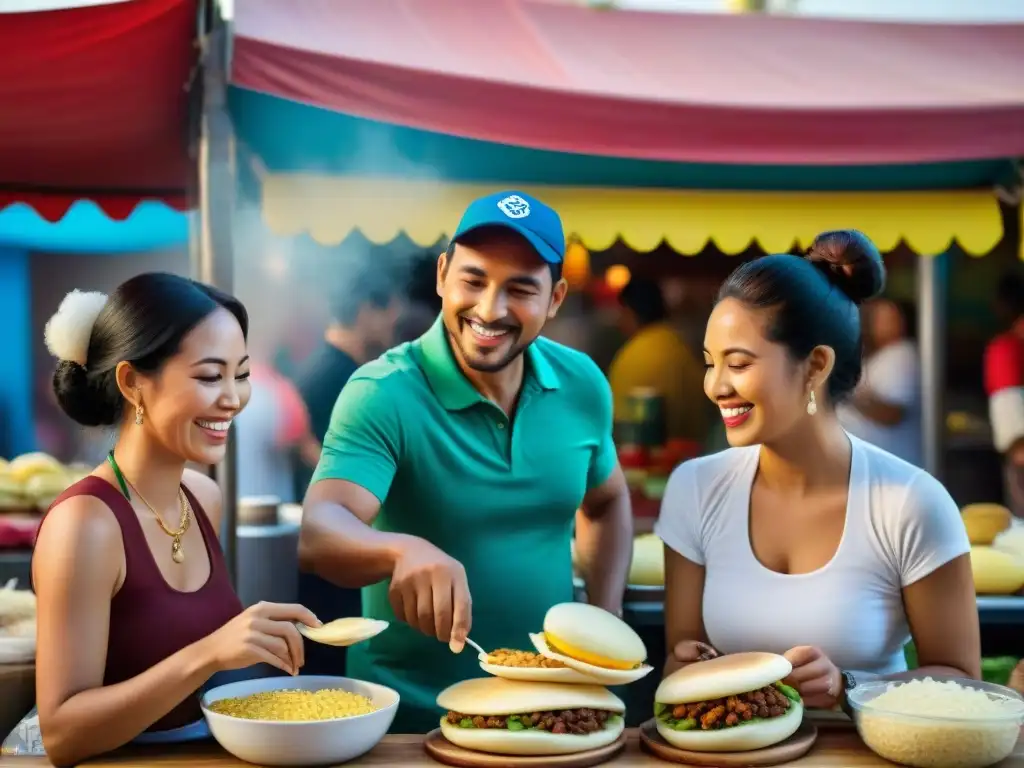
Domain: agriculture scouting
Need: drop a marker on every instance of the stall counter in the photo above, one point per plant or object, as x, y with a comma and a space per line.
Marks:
837, 747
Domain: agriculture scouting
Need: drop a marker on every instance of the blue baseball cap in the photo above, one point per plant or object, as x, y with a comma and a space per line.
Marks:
523, 214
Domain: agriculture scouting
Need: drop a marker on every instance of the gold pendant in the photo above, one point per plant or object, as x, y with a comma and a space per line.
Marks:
177, 555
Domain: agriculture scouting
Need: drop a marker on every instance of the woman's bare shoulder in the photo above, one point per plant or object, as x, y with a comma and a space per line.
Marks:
78, 526
83, 516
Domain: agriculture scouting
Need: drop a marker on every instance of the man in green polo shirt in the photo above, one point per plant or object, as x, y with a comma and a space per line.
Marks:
454, 467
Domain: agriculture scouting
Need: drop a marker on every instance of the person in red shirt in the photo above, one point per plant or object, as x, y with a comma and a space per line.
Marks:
1004, 385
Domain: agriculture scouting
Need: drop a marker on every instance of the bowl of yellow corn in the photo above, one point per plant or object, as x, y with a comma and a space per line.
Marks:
297, 721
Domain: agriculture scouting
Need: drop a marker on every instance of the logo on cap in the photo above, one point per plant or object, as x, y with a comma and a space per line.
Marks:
514, 207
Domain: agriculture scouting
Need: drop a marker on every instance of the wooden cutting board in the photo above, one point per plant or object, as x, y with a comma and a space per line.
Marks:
442, 750
793, 748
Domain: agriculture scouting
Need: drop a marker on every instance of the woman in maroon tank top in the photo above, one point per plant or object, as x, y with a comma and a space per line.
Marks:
135, 610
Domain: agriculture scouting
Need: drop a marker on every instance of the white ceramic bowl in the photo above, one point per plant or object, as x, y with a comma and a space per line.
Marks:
932, 741
318, 742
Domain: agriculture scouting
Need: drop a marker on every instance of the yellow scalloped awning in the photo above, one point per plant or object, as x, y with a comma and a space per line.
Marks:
328, 208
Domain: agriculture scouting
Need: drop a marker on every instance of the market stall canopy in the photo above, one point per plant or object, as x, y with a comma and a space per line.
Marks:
96, 105
662, 86
151, 226
329, 208
303, 165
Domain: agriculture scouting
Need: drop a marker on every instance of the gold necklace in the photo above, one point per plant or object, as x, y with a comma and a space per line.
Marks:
177, 553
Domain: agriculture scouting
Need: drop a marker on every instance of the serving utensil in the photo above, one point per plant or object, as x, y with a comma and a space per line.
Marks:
477, 648
343, 632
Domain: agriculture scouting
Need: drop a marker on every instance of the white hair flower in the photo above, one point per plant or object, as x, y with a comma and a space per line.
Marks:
67, 333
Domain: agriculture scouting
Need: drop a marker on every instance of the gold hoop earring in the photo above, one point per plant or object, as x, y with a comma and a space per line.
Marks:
812, 405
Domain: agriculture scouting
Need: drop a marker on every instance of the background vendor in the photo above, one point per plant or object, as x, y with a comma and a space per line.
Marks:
1004, 384
457, 463
885, 407
656, 356
801, 539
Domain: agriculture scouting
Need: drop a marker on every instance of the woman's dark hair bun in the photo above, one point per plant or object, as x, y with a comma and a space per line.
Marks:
850, 261
811, 300
81, 399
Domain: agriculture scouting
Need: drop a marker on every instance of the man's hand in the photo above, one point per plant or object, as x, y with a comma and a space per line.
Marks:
429, 591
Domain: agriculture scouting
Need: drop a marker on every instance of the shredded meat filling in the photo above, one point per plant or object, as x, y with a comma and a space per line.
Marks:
508, 657
763, 703
578, 721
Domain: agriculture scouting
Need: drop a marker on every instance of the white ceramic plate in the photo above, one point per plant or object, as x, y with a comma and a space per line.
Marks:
600, 675
538, 674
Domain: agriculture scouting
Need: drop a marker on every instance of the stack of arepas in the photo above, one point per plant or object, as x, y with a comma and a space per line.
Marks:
31, 482
997, 565
553, 702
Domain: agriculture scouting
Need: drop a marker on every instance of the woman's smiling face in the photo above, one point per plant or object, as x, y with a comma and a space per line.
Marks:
191, 401
760, 390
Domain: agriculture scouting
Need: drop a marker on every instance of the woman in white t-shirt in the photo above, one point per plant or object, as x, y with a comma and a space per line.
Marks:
800, 539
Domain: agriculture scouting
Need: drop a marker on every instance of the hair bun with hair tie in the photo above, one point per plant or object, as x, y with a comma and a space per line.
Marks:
67, 333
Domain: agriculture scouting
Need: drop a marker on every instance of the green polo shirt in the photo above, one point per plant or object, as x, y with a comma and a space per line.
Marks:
497, 495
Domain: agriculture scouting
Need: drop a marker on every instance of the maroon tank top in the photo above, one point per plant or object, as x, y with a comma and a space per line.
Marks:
150, 620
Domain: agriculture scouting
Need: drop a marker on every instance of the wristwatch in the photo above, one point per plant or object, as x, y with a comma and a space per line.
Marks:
849, 683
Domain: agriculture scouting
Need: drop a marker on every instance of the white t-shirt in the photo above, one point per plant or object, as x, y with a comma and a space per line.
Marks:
892, 375
901, 524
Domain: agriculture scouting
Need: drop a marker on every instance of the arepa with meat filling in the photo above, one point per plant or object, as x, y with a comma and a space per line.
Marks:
734, 703
511, 717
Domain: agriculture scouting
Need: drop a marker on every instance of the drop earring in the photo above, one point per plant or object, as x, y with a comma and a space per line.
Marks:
138, 414
812, 405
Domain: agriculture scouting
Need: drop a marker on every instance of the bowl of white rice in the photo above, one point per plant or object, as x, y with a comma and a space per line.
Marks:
938, 722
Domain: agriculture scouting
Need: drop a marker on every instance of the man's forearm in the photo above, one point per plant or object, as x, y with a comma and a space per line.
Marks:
604, 547
339, 547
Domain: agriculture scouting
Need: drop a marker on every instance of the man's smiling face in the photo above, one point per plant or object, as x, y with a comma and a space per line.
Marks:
496, 294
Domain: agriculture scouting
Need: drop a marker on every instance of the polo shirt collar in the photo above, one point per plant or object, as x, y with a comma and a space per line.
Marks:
450, 385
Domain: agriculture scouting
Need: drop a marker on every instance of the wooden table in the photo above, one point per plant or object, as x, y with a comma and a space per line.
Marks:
836, 748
